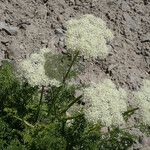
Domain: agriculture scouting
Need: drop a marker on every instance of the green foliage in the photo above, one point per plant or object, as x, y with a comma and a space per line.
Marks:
15, 99
32, 119
81, 135
15, 145
45, 137
58, 99
117, 139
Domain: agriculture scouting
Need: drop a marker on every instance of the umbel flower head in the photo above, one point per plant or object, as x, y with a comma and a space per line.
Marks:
143, 100
89, 35
33, 70
106, 103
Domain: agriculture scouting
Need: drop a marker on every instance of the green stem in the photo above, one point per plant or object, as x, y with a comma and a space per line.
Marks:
74, 117
40, 103
74, 101
63, 82
92, 129
74, 59
54, 98
128, 113
24, 121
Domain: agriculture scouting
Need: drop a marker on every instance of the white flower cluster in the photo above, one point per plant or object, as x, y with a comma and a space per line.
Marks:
106, 103
143, 101
89, 35
33, 70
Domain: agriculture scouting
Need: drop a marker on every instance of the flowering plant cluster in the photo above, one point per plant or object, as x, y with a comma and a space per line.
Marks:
32, 68
142, 99
43, 112
89, 35
106, 103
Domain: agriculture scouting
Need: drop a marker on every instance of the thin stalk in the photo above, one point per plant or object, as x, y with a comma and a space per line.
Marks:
74, 101
54, 100
74, 59
129, 113
40, 103
74, 117
24, 121
63, 82
92, 128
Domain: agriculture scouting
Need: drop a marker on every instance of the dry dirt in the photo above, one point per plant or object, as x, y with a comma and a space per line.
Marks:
28, 25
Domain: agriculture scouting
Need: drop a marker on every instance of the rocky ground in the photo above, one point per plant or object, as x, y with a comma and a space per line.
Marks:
28, 25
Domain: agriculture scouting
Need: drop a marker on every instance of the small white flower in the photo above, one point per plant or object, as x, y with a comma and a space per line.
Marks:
88, 35
143, 100
33, 70
105, 103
